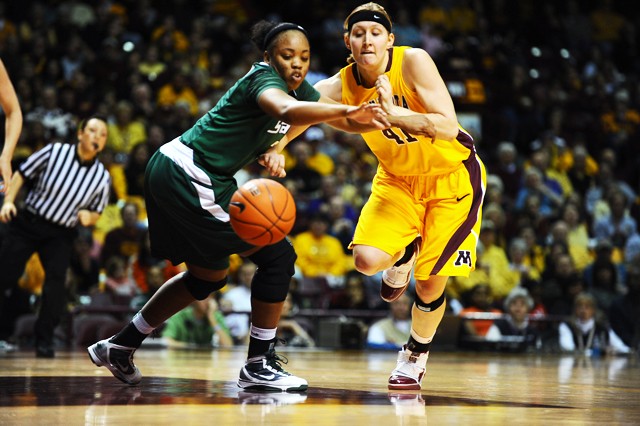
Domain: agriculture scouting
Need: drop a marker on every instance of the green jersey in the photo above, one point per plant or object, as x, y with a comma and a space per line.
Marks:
189, 181
236, 131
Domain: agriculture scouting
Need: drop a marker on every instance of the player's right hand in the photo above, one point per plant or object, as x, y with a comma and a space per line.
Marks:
273, 162
8, 212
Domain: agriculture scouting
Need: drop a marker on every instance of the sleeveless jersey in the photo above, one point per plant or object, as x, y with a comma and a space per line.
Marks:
400, 153
236, 131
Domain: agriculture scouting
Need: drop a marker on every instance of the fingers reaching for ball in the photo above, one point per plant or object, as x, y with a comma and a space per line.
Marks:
274, 163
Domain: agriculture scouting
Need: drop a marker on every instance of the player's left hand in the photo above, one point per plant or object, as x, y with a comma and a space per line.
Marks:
385, 93
273, 162
369, 114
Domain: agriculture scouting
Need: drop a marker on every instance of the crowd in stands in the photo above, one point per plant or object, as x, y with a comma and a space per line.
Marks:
549, 91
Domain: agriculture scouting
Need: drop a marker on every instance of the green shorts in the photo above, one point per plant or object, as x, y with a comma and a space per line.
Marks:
180, 228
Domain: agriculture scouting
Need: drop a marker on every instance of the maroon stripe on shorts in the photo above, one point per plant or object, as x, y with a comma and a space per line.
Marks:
475, 174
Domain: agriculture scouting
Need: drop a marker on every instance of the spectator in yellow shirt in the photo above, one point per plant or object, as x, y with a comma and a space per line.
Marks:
178, 90
494, 259
320, 254
126, 132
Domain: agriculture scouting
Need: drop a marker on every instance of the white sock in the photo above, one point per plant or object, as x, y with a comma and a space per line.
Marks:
141, 324
263, 333
420, 339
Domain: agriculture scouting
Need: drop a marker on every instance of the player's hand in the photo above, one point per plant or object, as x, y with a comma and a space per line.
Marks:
8, 212
368, 114
5, 173
416, 124
273, 162
385, 93
85, 218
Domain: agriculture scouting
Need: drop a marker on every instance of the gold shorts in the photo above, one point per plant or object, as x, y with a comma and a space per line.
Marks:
446, 210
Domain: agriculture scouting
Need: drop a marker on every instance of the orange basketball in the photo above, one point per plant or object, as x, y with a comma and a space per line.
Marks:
262, 212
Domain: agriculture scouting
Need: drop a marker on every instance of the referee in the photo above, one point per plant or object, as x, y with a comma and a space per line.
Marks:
66, 185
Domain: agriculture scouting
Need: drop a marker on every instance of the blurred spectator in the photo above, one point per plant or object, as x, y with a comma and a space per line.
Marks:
509, 169
124, 241
603, 278
144, 261
58, 124
478, 300
169, 33
561, 283
541, 158
532, 215
577, 235
583, 171
296, 332
238, 300
134, 172
494, 259
178, 90
393, 331
494, 213
143, 104
200, 325
125, 131
549, 197
606, 183
618, 225
623, 311
514, 332
519, 270
118, 281
151, 65
308, 180
343, 218
83, 276
353, 295
535, 253
153, 279
587, 332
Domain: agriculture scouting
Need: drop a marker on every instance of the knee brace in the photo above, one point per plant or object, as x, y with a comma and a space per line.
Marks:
201, 289
275, 268
430, 307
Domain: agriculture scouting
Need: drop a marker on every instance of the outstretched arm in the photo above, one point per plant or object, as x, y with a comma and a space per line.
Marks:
13, 125
280, 105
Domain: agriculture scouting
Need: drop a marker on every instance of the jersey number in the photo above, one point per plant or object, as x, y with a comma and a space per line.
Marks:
281, 127
390, 134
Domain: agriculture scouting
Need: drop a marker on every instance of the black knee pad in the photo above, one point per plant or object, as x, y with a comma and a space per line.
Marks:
201, 289
275, 268
430, 307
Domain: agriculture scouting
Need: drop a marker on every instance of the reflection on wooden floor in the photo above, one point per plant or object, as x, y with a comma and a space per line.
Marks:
187, 387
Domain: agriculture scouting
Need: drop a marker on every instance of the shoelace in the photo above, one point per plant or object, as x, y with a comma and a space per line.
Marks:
274, 360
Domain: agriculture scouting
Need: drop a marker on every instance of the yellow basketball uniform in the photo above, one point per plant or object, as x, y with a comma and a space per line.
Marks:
434, 189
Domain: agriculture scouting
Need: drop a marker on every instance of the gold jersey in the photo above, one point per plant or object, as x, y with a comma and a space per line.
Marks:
400, 153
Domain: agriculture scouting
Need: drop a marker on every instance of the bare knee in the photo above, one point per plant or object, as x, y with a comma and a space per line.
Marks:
370, 260
364, 266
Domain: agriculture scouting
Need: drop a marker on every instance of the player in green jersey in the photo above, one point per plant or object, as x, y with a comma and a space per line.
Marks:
188, 186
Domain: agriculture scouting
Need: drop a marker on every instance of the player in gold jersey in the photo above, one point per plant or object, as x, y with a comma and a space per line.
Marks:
426, 201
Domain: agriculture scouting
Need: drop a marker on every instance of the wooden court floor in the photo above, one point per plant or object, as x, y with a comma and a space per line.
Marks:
345, 388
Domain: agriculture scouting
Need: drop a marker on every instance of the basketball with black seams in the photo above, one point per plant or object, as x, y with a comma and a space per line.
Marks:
262, 212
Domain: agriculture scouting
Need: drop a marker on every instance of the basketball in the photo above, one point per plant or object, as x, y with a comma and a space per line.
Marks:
262, 212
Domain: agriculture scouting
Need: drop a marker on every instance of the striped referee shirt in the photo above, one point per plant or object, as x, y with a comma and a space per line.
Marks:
61, 185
